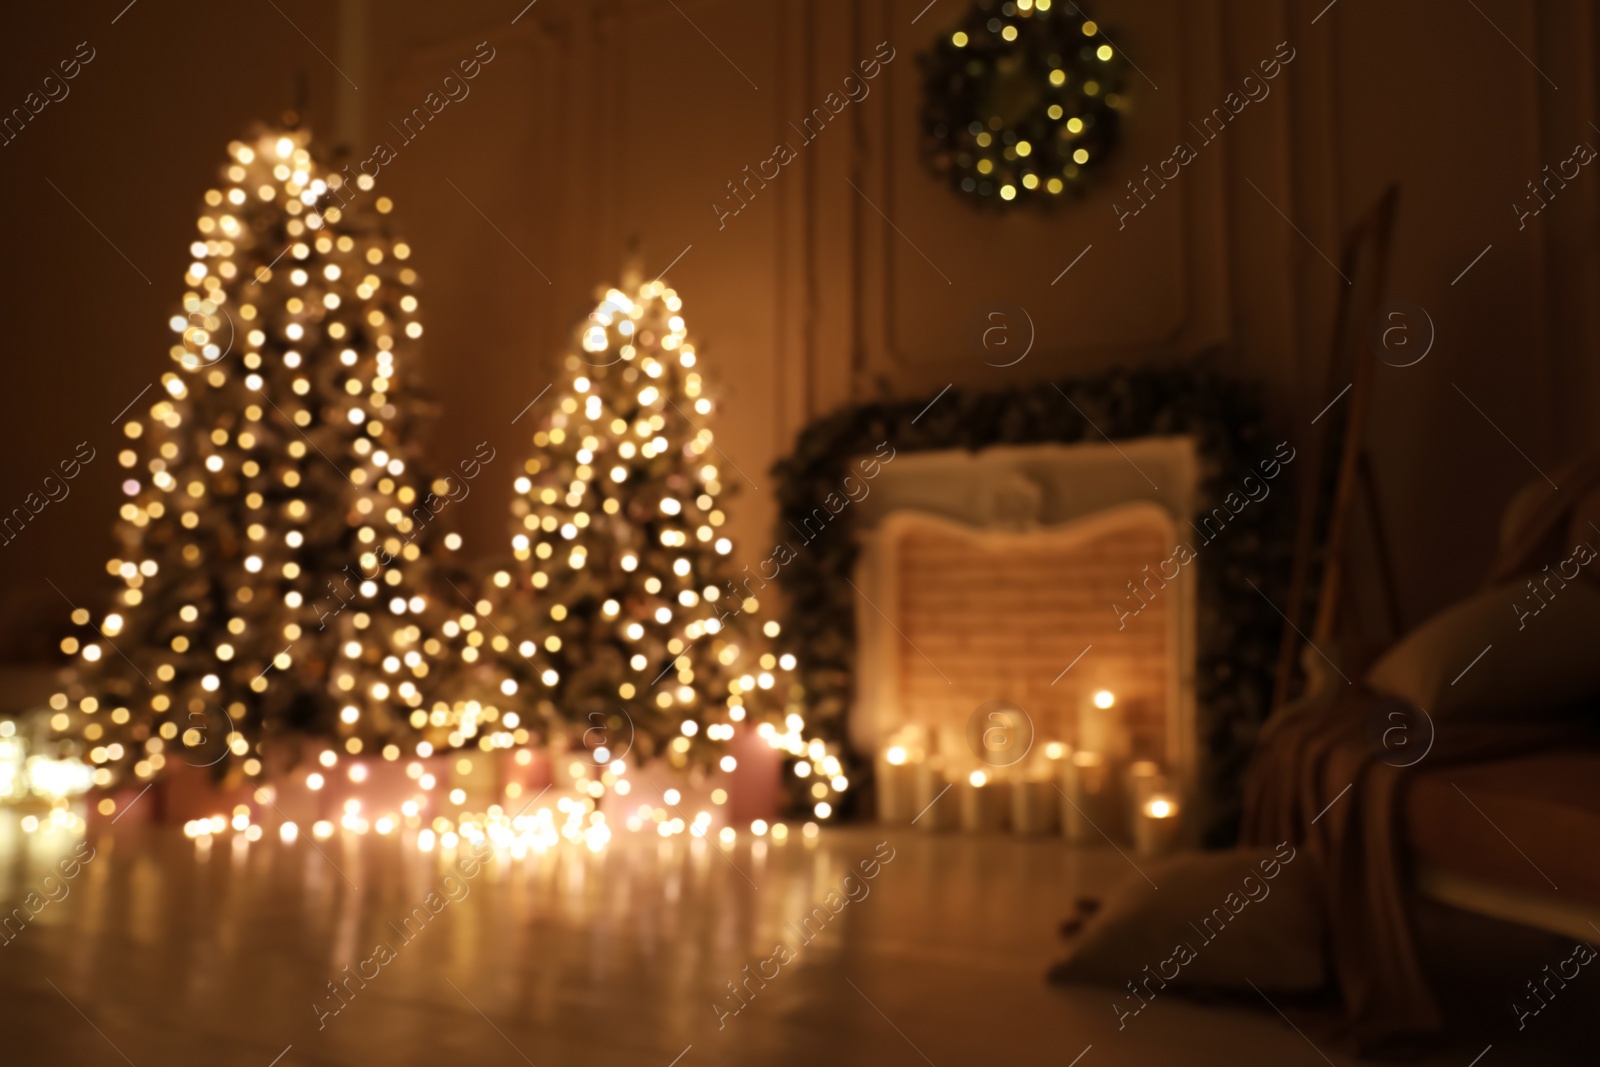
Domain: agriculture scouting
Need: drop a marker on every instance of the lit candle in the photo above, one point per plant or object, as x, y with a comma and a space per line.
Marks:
1035, 806
1058, 758
1097, 723
983, 803
1087, 790
1145, 780
1155, 830
935, 811
897, 786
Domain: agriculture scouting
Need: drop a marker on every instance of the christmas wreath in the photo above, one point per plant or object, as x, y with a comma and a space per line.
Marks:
1020, 101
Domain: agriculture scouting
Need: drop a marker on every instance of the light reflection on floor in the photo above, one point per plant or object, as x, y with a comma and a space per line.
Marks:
159, 950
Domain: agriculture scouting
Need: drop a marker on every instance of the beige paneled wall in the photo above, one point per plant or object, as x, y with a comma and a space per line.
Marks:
602, 122
610, 130
855, 275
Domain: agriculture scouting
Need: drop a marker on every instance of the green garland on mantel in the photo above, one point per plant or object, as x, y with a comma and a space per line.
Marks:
1238, 629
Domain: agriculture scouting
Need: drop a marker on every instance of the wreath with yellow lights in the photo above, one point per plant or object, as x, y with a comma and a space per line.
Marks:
1020, 101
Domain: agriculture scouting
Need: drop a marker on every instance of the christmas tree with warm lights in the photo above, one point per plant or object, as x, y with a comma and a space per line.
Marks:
275, 547
624, 597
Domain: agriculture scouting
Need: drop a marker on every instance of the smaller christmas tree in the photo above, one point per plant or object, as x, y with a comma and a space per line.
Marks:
623, 597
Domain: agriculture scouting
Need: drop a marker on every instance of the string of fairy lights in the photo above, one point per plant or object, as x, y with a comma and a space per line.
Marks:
238, 520
623, 578
279, 623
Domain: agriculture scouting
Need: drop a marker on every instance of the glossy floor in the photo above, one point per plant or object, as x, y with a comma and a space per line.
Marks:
159, 951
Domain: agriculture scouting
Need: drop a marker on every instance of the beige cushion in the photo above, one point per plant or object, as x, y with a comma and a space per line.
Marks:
1542, 660
1219, 920
1520, 510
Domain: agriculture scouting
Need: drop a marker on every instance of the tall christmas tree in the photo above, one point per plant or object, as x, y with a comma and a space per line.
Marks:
274, 552
624, 596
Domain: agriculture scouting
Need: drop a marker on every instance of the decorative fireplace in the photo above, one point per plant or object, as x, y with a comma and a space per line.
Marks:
1030, 574
1228, 619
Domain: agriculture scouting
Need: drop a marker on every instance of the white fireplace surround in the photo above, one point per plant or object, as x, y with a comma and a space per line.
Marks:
1039, 496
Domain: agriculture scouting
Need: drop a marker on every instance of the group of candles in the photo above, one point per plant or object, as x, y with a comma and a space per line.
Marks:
1089, 793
